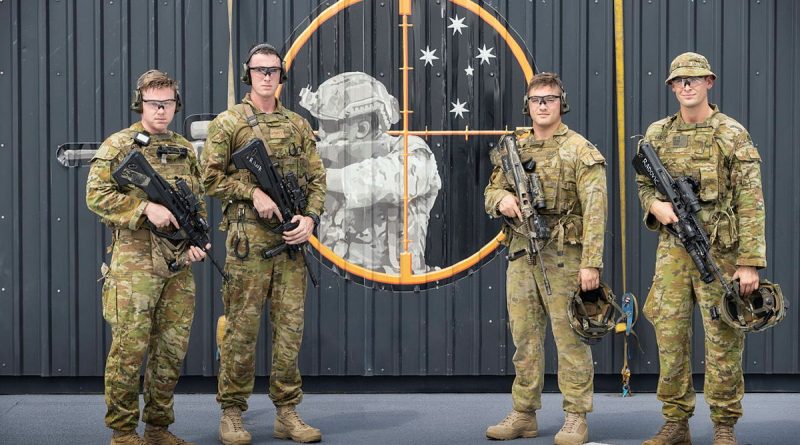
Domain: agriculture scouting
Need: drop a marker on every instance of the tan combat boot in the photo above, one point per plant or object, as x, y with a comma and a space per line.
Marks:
516, 424
289, 425
159, 435
575, 430
723, 435
672, 433
127, 438
231, 429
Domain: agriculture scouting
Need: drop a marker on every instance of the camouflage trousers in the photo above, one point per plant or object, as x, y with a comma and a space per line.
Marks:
670, 304
148, 313
529, 306
254, 281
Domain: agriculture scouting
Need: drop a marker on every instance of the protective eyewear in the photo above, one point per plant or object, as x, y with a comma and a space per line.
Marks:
266, 71
159, 104
543, 100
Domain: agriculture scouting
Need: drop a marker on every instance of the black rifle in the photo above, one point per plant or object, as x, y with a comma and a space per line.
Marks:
680, 192
531, 199
284, 190
179, 200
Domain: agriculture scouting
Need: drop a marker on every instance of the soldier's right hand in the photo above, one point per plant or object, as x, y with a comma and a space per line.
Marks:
509, 206
160, 216
663, 212
265, 206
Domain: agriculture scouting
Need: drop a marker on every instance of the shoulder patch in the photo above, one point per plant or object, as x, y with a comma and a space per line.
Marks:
591, 155
107, 152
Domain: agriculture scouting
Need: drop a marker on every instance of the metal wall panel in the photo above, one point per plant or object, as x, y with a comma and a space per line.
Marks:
67, 69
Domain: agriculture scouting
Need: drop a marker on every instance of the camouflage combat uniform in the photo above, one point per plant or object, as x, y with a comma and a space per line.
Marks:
254, 280
363, 222
720, 155
572, 173
148, 307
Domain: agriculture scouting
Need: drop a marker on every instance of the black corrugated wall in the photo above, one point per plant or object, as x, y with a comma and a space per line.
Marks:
67, 68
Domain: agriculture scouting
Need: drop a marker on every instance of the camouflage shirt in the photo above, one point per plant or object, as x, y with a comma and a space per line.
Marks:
292, 145
720, 155
124, 207
573, 176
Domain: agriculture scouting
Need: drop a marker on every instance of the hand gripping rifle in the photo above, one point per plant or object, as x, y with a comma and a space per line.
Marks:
179, 200
531, 199
285, 191
681, 194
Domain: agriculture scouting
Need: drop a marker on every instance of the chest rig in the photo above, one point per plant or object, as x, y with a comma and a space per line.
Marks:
693, 150
556, 173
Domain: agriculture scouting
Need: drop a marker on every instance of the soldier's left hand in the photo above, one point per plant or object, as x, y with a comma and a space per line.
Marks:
302, 232
589, 278
196, 254
748, 279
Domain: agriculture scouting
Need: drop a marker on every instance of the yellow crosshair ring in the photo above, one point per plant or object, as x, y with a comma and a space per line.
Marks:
406, 277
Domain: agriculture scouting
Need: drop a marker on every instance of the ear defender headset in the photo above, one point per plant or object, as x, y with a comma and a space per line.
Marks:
564, 104
136, 102
246, 67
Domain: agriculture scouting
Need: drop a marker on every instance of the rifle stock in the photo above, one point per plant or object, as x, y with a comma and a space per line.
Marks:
179, 200
284, 190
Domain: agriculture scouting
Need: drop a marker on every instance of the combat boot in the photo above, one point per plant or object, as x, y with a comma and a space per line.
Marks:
516, 424
289, 425
723, 435
231, 429
159, 435
127, 438
575, 430
672, 433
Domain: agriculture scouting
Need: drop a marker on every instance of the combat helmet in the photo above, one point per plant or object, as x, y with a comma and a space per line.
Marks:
351, 94
762, 309
591, 314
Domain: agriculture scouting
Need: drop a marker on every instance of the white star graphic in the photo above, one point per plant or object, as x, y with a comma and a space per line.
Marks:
458, 108
469, 70
427, 55
456, 24
485, 54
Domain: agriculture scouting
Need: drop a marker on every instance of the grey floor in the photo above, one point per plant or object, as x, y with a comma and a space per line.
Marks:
394, 419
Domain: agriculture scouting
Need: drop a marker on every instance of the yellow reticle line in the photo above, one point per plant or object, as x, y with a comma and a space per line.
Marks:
406, 276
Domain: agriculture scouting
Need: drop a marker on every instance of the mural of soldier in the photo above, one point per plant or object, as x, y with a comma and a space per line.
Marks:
363, 219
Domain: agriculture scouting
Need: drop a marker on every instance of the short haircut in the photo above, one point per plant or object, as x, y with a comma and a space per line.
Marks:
545, 79
155, 79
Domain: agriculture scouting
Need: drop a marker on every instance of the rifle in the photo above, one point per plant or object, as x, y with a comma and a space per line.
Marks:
179, 200
681, 193
284, 190
528, 189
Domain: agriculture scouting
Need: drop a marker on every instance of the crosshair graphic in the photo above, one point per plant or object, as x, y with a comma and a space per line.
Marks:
406, 276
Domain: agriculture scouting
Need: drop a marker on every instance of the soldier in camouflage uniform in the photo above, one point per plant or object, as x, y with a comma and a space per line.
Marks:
573, 177
148, 305
717, 151
363, 221
249, 215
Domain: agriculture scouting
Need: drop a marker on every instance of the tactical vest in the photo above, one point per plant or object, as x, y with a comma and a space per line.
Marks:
562, 210
693, 150
284, 141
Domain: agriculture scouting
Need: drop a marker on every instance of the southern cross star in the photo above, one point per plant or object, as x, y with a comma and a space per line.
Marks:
427, 55
458, 108
469, 70
485, 54
456, 24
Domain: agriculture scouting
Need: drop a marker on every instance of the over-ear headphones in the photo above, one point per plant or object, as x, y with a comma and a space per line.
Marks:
564, 103
136, 101
256, 48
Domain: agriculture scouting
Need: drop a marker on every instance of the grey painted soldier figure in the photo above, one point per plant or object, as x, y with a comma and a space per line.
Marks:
363, 221
249, 215
701, 142
148, 306
573, 177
